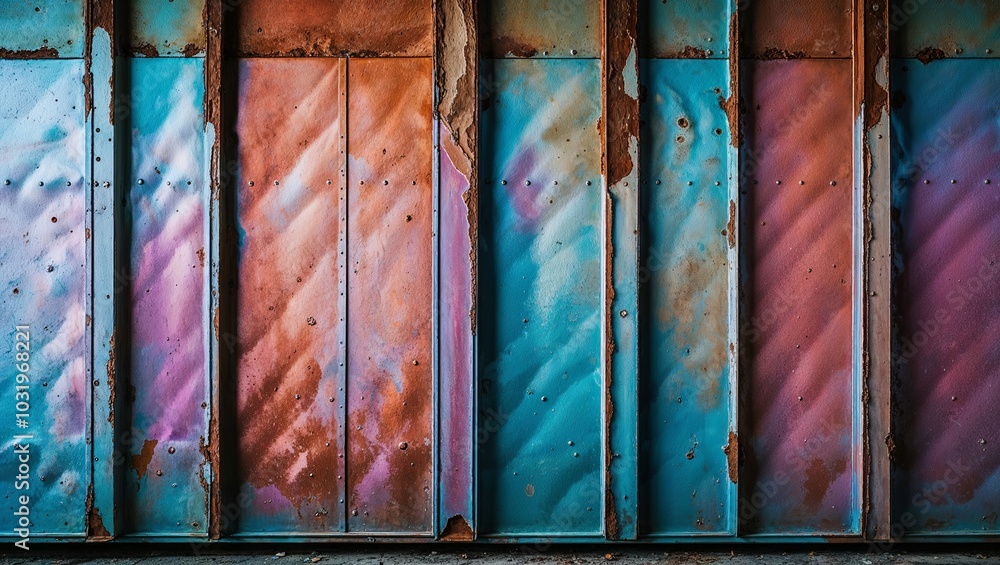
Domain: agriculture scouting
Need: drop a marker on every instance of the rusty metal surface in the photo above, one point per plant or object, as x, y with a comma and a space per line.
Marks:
169, 317
389, 313
540, 460
290, 192
953, 28
275, 28
41, 30
171, 28
43, 266
797, 175
779, 29
686, 386
946, 351
543, 28
679, 29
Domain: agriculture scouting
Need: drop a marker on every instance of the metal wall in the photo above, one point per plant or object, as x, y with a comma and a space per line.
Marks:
551, 271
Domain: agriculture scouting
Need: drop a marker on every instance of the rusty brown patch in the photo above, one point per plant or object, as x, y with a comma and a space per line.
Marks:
731, 225
40, 53
201, 256
457, 529
507, 46
732, 450
928, 54
691, 52
140, 461
111, 368
95, 523
773, 53
190, 50
731, 104
145, 49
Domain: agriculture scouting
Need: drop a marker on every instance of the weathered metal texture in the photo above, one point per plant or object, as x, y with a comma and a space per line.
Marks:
389, 290
290, 348
540, 458
269, 28
801, 459
678, 29
43, 265
873, 266
42, 30
544, 28
687, 388
936, 30
167, 29
456, 75
946, 131
620, 147
779, 29
107, 256
167, 202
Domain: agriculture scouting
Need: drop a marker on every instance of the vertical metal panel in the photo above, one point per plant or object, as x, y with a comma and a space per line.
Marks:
456, 74
953, 28
678, 29
780, 29
402, 28
686, 414
540, 276
291, 347
169, 304
945, 140
43, 266
171, 28
802, 455
42, 29
544, 28
389, 295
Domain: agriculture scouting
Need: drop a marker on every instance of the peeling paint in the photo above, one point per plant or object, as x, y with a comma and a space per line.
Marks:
140, 461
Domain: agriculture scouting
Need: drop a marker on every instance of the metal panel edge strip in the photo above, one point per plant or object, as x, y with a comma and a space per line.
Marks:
732, 107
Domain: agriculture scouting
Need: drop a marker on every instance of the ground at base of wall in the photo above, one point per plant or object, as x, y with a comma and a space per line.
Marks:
131, 555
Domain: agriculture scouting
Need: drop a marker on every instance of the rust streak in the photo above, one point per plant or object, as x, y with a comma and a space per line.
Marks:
731, 105
457, 529
40, 53
928, 54
731, 225
190, 50
145, 49
140, 461
773, 53
691, 52
732, 450
95, 523
111, 368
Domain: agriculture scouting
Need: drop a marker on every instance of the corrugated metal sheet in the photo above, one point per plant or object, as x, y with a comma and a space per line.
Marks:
519, 272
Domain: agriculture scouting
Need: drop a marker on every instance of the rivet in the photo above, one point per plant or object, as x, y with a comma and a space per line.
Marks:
800, 399
40, 183
69, 183
989, 50
588, 183
555, 183
572, 51
408, 217
413, 182
402, 445
297, 397
107, 184
575, 454
6, 182
954, 398
833, 183
503, 182
623, 313
527, 183
545, 399
140, 181
926, 181
625, 183
311, 321
250, 183
777, 182
717, 183
801, 182
986, 181
361, 182
415, 362
159, 473
168, 183
311, 475
171, 450
328, 181
385, 183
657, 182
275, 183
953, 181
570, 442
690, 183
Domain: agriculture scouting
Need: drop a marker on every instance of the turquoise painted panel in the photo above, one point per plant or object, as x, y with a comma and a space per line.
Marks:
168, 27
45, 28
167, 197
540, 441
44, 276
685, 407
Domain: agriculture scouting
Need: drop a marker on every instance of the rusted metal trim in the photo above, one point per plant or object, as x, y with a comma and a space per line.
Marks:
40, 53
456, 118
872, 162
214, 134
620, 164
735, 108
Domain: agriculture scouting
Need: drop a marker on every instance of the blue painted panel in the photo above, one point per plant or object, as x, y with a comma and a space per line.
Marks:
51, 28
945, 28
540, 451
169, 312
684, 29
168, 27
686, 395
946, 190
44, 280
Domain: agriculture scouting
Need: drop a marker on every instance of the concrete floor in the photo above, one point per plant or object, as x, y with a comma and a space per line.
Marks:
399, 555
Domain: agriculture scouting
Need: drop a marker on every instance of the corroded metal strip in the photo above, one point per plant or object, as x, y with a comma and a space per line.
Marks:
295, 28
620, 144
456, 71
105, 510
873, 257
